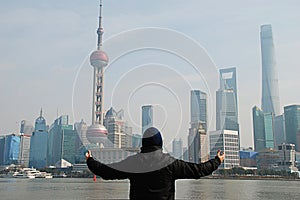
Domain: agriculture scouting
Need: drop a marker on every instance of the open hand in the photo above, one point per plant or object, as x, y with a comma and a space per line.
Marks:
88, 154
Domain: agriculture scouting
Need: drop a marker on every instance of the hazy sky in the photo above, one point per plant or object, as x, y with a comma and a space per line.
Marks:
44, 49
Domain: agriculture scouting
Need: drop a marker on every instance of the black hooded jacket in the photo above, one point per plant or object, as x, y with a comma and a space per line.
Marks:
152, 173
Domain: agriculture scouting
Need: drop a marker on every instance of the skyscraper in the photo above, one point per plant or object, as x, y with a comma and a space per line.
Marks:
263, 129
147, 117
198, 146
26, 130
136, 141
270, 92
24, 149
81, 129
199, 107
82, 142
38, 143
2, 147
12, 149
292, 125
177, 148
226, 101
116, 127
62, 142
98, 59
279, 130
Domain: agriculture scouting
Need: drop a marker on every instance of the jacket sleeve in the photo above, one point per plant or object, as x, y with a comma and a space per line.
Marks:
187, 170
105, 171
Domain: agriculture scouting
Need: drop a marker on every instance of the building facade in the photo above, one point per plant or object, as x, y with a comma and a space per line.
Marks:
248, 158
263, 129
199, 107
287, 157
38, 144
81, 129
109, 155
226, 101
26, 127
24, 149
228, 142
292, 125
11, 149
147, 117
279, 130
136, 141
26, 130
177, 148
267, 159
119, 133
2, 147
116, 127
62, 141
270, 92
198, 144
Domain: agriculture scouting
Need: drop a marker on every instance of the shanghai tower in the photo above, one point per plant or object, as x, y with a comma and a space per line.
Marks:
270, 93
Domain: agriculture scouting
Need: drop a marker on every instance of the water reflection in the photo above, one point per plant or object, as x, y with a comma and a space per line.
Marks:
71, 188
237, 189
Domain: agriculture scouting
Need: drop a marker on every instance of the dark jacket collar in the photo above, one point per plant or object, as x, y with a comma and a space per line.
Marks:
150, 149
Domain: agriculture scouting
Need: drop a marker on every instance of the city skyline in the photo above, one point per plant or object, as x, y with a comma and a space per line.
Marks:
68, 31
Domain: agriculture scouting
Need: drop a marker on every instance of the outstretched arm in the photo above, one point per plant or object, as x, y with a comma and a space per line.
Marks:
103, 170
186, 170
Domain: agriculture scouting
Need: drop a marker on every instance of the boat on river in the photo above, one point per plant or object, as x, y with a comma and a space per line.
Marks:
31, 173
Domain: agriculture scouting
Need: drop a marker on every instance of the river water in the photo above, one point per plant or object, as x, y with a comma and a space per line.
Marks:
82, 188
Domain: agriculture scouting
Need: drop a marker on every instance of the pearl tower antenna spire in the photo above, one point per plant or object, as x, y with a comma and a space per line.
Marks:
98, 59
100, 29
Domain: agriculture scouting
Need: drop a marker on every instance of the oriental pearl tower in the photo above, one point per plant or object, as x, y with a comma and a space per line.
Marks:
97, 133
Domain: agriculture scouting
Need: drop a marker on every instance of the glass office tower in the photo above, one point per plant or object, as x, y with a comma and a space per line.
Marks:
226, 101
199, 107
263, 129
279, 130
292, 125
147, 117
38, 144
198, 145
62, 141
12, 149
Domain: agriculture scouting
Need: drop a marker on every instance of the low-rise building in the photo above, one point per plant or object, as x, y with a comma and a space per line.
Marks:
228, 142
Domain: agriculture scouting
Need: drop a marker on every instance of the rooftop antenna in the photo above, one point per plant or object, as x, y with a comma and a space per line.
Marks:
100, 29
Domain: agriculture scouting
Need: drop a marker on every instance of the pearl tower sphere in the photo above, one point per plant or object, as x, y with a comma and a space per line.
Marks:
99, 59
97, 133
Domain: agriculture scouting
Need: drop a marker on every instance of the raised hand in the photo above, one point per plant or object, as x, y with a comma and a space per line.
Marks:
221, 155
88, 154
